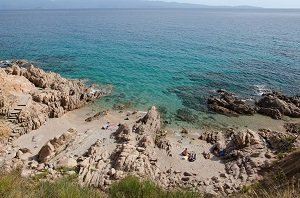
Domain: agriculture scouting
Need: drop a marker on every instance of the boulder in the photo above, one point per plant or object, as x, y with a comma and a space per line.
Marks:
228, 104
56, 145
275, 103
67, 162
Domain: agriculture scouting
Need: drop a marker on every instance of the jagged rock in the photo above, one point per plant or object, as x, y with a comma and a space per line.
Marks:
278, 141
292, 127
150, 123
123, 133
40, 94
211, 137
246, 138
274, 104
56, 145
273, 113
228, 104
133, 154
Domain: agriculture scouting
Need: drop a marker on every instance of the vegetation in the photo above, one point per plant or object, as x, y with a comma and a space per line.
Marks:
133, 187
12, 185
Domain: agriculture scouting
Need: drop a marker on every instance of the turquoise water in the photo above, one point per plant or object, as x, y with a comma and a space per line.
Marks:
170, 58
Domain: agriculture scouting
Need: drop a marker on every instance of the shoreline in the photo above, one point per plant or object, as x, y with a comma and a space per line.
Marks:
135, 143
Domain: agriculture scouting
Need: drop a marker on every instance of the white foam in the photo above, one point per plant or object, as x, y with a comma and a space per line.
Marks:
261, 89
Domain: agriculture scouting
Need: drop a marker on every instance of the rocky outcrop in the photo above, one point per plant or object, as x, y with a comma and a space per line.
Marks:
134, 154
292, 127
278, 141
123, 134
33, 116
211, 137
247, 152
245, 155
56, 145
276, 104
228, 104
29, 95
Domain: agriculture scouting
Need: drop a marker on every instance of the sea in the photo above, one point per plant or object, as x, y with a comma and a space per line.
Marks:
171, 58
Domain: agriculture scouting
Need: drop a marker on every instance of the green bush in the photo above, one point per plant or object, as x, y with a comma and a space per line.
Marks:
12, 185
65, 188
133, 187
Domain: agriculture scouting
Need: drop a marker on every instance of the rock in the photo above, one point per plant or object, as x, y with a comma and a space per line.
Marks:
19, 154
67, 162
292, 127
112, 172
228, 191
56, 145
71, 173
123, 133
274, 104
25, 150
227, 185
212, 137
97, 116
140, 149
40, 167
43, 94
187, 174
33, 164
224, 175
273, 113
246, 138
26, 173
280, 142
215, 179
228, 104
268, 155
185, 179
206, 182
186, 115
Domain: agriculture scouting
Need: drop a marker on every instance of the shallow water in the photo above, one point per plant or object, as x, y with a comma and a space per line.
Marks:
170, 58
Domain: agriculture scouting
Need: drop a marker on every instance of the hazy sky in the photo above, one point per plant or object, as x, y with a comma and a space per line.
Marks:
20, 4
260, 3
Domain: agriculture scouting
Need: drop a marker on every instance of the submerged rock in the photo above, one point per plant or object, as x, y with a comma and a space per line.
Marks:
186, 115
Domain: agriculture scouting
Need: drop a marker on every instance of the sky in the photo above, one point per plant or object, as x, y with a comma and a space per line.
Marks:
259, 3
48, 4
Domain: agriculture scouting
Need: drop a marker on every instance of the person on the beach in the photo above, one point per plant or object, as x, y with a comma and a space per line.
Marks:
192, 157
106, 126
206, 155
185, 152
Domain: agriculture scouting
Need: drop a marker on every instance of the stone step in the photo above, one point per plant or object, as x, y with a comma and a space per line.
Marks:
18, 109
15, 111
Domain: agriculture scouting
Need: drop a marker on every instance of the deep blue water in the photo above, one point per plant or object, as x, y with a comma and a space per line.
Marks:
170, 58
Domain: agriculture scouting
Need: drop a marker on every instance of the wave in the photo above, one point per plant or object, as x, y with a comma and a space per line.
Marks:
261, 89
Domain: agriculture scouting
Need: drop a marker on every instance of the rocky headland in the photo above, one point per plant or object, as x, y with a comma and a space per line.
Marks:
29, 96
273, 104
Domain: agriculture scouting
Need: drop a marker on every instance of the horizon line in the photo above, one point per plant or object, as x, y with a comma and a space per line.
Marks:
157, 8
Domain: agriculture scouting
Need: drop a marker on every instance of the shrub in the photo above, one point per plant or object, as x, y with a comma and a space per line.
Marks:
133, 187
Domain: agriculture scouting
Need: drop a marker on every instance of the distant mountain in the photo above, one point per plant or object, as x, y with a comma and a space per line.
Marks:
77, 4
